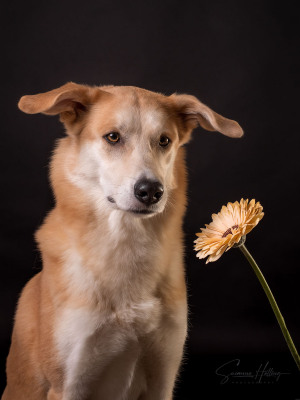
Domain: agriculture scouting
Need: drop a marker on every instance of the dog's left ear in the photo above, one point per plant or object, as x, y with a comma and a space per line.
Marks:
70, 101
192, 112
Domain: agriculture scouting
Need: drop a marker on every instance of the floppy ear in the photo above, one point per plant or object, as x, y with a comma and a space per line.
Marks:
192, 112
70, 101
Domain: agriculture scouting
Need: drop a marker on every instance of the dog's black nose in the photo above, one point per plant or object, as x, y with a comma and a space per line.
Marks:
148, 192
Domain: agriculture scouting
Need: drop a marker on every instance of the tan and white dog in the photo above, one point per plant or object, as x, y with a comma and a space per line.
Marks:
106, 318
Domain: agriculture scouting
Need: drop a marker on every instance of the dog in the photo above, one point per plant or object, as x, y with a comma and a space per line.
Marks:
106, 317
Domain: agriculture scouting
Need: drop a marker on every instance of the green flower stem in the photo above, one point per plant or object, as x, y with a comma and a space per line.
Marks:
273, 303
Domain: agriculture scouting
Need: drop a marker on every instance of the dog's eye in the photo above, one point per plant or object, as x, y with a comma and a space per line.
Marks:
164, 141
112, 137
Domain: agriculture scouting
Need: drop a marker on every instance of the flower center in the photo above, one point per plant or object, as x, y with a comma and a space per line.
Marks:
229, 230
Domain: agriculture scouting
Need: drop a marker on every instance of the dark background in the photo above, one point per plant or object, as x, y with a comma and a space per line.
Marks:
238, 57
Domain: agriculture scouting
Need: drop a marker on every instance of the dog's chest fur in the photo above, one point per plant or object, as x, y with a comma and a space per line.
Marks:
115, 280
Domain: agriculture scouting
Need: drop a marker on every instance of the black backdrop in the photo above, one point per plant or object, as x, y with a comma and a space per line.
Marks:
238, 57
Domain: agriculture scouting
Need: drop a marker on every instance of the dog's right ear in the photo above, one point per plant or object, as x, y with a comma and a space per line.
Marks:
71, 101
193, 112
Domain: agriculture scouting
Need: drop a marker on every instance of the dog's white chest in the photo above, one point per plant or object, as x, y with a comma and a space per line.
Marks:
94, 345
98, 342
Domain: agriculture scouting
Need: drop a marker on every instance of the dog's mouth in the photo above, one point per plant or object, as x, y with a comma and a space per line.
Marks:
136, 211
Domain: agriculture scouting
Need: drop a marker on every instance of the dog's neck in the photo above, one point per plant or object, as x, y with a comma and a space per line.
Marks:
116, 251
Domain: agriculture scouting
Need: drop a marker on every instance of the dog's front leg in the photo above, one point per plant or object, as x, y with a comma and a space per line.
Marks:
164, 357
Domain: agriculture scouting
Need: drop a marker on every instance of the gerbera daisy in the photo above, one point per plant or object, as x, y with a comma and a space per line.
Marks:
228, 227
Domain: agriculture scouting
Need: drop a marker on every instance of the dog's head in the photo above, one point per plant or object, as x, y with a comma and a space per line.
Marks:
125, 140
